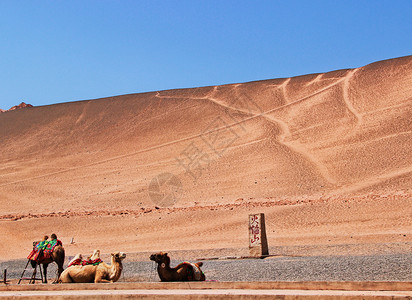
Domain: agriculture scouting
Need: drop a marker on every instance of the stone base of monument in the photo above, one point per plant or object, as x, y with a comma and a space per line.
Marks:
258, 244
258, 252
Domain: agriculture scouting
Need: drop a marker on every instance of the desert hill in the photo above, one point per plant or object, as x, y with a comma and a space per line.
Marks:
344, 133
21, 105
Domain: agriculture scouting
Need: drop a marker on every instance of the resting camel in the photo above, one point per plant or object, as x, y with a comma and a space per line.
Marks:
57, 256
99, 273
182, 272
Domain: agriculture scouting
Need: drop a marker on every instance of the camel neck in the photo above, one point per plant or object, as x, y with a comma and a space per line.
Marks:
164, 269
116, 269
166, 263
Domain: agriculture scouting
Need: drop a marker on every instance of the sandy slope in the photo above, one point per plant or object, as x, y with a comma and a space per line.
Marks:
300, 149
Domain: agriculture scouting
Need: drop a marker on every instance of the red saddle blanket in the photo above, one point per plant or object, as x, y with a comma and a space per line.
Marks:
43, 250
80, 262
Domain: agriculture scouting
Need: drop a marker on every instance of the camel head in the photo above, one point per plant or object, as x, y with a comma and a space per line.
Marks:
159, 257
118, 256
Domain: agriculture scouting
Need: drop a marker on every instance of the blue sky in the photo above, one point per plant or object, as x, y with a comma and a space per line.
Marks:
60, 51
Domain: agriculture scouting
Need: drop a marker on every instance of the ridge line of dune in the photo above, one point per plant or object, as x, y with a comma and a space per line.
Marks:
322, 169
308, 96
283, 89
324, 172
345, 96
316, 79
277, 86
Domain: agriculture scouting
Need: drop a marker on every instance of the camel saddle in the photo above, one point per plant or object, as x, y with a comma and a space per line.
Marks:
80, 262
43, 250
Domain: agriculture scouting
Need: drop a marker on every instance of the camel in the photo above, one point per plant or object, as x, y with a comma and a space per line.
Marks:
183, 272
57, 256
95, 273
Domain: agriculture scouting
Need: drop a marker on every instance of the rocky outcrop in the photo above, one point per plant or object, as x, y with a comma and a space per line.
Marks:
21, 105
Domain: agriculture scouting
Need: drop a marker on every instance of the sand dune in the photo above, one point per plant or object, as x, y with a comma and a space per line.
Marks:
336, 135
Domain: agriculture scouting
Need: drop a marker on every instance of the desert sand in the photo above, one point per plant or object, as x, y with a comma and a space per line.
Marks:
327, 157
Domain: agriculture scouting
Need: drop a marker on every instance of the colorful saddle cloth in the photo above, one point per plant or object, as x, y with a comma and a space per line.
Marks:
80, 262
43, 250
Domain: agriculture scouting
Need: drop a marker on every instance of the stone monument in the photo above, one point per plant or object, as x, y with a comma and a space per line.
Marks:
258, 243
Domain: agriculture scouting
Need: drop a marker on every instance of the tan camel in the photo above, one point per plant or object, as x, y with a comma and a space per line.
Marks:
57, 256
99, 273
183, 272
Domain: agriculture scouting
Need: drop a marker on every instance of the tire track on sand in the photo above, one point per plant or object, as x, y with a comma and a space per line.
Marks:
282, 125
285, 132
348, 103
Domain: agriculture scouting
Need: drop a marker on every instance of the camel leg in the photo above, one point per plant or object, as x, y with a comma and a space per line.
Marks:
59, 271
33, 276
33, 263
45, 272
59, 259
100, 279
65, 278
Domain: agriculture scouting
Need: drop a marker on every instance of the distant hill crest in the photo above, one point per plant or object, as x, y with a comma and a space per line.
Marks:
21, 105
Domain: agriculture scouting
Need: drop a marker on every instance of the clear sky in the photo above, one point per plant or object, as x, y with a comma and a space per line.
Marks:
59, 51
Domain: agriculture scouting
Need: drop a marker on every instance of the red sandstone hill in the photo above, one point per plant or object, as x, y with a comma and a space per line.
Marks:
341, 133
21, 105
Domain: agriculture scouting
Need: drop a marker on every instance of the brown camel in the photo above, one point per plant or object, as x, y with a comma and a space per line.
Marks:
57, 256
91, 273
182, 272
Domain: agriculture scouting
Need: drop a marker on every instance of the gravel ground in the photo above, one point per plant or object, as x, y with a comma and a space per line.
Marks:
388, 267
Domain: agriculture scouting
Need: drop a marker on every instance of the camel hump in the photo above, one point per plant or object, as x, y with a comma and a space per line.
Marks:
199, 264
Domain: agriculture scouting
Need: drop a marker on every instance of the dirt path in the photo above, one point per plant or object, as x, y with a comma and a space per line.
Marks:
213, 290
